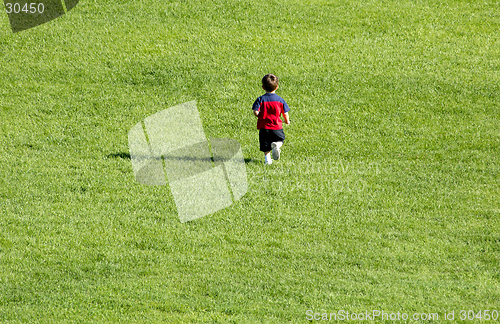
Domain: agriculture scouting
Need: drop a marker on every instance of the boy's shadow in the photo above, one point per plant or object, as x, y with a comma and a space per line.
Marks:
121, 155
126, 156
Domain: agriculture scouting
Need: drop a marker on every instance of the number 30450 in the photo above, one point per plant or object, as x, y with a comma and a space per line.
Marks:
17, 8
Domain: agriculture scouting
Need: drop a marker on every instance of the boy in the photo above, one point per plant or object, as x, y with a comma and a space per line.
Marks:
268, 108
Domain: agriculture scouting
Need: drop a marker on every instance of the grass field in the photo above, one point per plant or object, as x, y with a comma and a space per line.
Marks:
386, 197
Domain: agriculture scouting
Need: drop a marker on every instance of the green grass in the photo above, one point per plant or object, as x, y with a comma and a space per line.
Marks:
386, 197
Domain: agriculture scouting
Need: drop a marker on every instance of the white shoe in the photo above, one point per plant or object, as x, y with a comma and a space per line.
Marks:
276, 151
268, 162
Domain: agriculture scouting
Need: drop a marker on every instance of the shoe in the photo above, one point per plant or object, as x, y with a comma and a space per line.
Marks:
276, 151
268, 162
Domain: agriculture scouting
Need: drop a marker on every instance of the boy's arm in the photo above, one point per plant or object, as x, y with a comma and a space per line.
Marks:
287, 119
256, 107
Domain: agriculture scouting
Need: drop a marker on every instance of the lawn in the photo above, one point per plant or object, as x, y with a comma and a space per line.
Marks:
386, 196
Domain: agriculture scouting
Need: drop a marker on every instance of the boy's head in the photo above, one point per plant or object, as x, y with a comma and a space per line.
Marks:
270, 82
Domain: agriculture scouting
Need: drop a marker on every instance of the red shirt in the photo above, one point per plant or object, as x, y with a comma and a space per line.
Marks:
270, 107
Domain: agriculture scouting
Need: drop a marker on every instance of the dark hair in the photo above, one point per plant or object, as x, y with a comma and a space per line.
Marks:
270, 82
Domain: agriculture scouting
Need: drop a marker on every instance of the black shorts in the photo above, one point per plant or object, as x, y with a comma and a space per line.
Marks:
267, 136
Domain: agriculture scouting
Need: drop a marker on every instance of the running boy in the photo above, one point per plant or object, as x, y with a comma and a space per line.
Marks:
268, 108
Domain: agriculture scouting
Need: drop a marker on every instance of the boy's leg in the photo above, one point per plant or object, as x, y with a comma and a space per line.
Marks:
278, 138
276, 149
265, 145
267, 158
